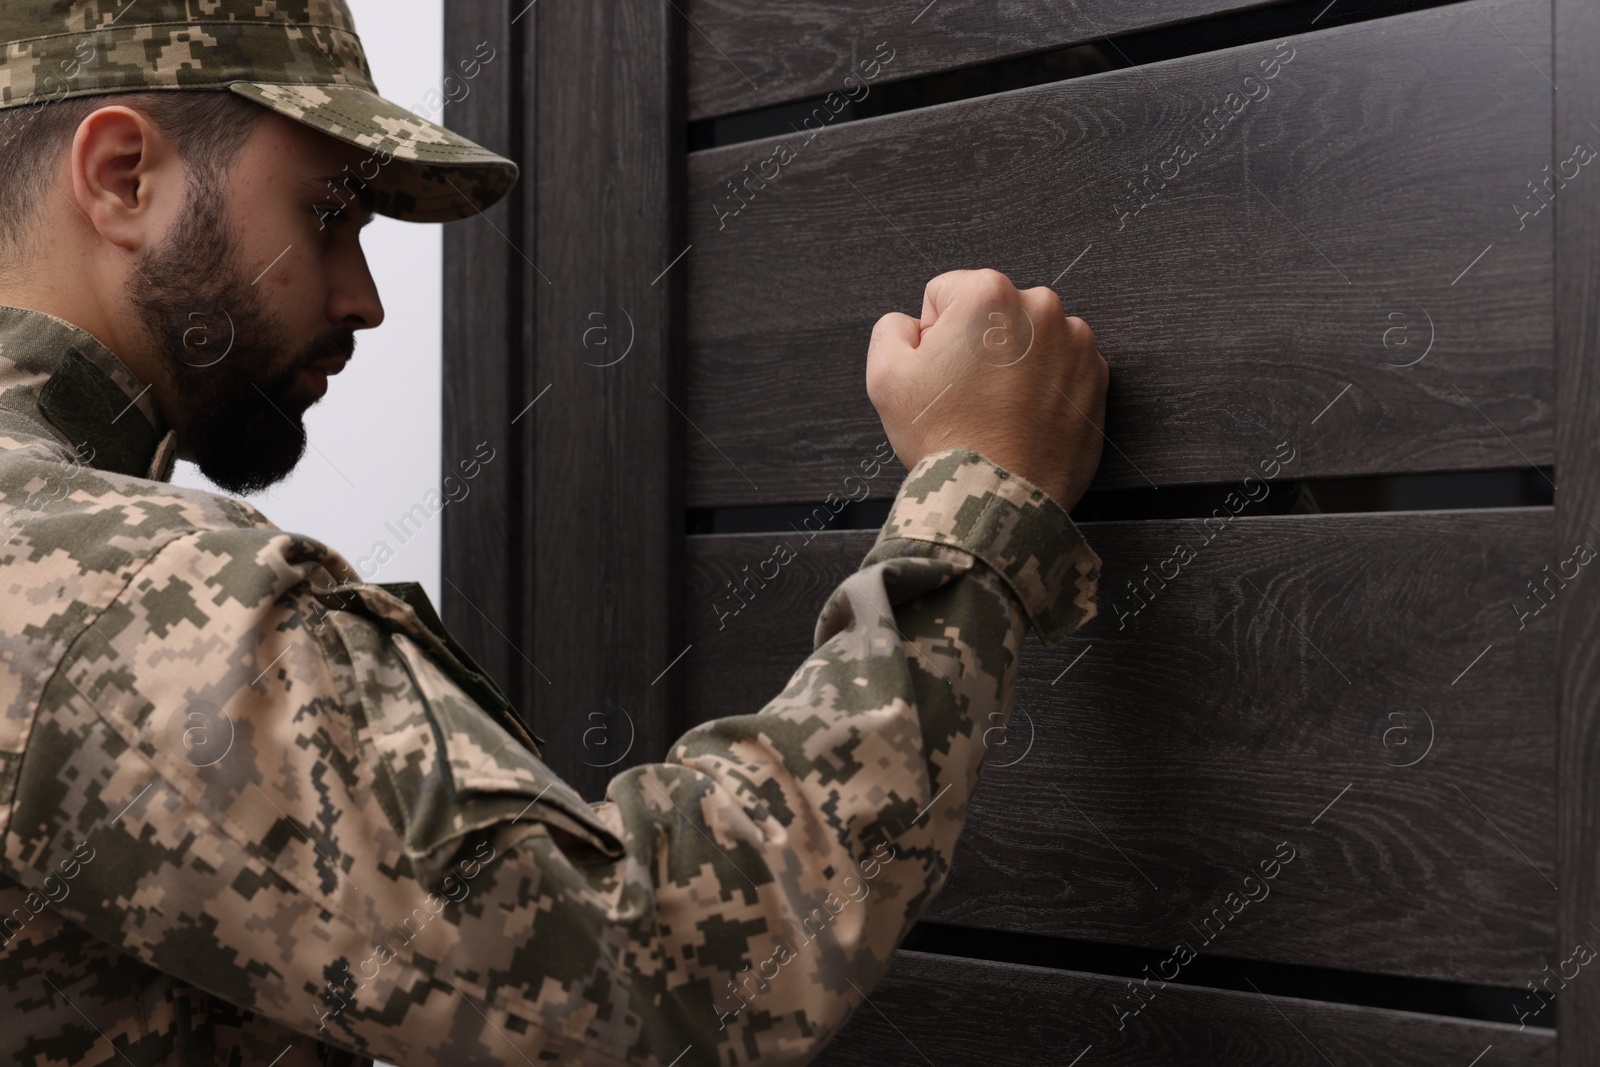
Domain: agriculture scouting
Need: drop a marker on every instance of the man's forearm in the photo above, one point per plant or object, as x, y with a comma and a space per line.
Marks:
827, 822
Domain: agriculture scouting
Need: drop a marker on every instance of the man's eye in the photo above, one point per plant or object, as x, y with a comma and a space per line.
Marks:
330, 216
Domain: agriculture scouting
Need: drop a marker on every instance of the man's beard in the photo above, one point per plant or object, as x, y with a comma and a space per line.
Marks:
226, 355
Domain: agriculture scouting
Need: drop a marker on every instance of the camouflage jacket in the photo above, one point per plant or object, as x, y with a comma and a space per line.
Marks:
256, 811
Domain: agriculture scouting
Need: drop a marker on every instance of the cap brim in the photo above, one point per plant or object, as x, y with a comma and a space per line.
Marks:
419, 171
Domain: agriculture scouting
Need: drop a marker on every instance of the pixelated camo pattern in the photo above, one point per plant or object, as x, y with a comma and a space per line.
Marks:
1014, 527
251, 814
301, 58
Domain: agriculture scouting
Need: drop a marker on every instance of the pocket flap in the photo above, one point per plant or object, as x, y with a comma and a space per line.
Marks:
489, 776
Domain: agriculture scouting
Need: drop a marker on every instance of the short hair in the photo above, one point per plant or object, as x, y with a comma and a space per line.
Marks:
208, 129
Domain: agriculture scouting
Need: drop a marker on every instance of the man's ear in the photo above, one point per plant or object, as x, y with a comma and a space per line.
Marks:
126, 177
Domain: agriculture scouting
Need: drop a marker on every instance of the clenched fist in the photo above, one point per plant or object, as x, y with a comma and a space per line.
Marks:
1000, 371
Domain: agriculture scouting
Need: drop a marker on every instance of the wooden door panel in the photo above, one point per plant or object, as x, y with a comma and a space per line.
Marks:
1322, 241
1373, 665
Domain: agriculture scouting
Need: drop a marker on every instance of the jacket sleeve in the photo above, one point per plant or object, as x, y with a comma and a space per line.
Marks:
309, 818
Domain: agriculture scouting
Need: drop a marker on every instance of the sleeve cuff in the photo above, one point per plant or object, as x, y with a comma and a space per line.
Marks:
959, 498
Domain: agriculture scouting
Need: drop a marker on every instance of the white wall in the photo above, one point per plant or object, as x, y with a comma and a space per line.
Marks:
375, 437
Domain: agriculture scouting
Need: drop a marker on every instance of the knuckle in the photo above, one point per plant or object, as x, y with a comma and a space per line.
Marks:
990, 283
1078, 331
950, 280
877, 375
1046, 300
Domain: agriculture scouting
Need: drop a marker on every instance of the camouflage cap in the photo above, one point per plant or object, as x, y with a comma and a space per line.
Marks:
300, 58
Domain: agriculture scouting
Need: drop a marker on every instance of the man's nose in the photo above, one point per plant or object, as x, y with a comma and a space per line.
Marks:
354, 302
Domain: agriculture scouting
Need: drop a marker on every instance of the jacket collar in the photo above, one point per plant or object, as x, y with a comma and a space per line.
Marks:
83, 395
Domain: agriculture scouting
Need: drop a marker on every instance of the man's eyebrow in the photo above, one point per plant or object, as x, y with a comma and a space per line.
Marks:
345, 185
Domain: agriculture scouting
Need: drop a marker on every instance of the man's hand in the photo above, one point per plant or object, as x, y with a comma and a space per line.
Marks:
1000, 371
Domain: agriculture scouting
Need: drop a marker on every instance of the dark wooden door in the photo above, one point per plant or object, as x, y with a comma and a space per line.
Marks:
1320, 784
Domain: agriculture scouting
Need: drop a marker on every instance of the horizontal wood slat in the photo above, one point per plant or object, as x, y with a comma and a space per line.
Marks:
1358, 213
754, 53
946, 1011
1273, 691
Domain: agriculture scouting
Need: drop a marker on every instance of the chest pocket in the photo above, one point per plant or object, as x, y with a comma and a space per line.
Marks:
458, 760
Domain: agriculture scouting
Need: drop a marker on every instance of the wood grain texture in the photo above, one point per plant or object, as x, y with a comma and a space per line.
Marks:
753, 53
946, 1011
606, 558
1256, 289
1150, 768
481, 552
1577, 514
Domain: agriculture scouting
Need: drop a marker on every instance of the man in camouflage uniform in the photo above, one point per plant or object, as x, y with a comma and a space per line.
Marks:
256, 810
